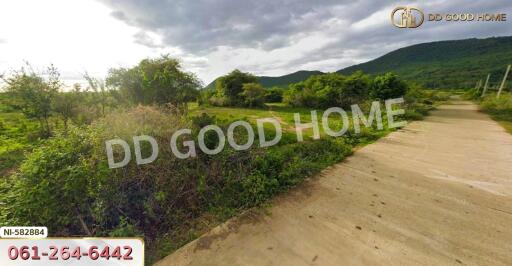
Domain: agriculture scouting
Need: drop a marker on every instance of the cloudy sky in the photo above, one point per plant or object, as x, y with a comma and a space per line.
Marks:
212, 37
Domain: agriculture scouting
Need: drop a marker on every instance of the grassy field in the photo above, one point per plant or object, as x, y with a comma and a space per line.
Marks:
279, 111
17, 136
284, 114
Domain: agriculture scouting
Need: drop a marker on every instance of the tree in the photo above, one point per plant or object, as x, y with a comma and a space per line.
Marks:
328, 90
354, 90
274, 95
99, 93
253, 94
156, 81
231, 86
33, 95
387, 86
65, 104
129, 83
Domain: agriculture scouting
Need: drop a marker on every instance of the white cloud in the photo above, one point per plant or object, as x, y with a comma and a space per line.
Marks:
376, 19
76, 36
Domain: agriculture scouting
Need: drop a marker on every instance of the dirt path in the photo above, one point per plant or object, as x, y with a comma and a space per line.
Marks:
438, 192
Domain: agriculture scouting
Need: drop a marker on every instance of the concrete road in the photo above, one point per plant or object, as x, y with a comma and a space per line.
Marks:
438, 192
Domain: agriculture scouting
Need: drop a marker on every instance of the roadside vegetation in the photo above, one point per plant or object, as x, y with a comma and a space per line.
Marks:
54, 166
500, 109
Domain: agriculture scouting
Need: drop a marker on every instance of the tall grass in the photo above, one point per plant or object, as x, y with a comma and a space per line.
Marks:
500, 109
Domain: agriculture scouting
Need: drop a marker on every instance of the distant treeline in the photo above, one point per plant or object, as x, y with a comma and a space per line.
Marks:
319, 91
163, 82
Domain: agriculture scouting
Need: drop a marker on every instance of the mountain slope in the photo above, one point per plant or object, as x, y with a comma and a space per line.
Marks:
287, 79
445, 64
280, 81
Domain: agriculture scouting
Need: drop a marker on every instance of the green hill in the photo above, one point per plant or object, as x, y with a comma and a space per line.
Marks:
281, 81
285, 80
445, 64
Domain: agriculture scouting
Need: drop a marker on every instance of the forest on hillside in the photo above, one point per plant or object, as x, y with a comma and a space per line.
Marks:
445, 64
437, 65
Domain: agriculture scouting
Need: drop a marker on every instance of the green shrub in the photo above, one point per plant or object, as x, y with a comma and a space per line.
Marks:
279, 168
253, 94
204, 96
328, 90
125, 229
230, 87
274, 95
219, 101
501, 108
472, 94
492, 103
387, 86
413, 115
57, 185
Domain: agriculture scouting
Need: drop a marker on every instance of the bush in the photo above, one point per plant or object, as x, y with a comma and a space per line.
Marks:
274, 95
280, 168
219, 101
65, 183
387, 86
500, 109
253, 94
493, 104
57, 186
125, 229
472, 94
413, 115
328, 90
231, 85
204, 96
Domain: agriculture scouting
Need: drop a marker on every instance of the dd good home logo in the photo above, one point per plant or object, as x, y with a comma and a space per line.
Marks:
407, 17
